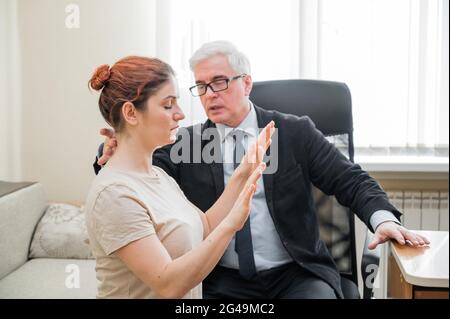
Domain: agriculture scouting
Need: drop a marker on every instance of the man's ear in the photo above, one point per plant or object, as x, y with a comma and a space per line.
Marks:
129, 113
248, 84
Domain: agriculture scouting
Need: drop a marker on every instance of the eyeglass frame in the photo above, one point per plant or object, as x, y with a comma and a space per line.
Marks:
227, 81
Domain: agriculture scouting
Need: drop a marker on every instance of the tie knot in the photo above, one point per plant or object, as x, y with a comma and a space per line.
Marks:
238, 135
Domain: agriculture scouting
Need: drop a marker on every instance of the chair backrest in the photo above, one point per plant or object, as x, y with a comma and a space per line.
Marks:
329, 106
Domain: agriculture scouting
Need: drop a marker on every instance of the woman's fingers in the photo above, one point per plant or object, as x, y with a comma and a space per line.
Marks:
266, 134
254, 177
252, 155
248, 196
255, 154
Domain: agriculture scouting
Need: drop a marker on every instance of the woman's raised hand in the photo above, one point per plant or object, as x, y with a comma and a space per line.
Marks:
241, 209
255, 155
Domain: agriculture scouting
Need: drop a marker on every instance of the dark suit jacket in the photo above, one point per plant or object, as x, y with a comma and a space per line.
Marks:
304, 156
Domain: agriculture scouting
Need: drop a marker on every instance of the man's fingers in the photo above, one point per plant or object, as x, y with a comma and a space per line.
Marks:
112, 142
422, 240
425, 240
107, 132
108, 151
103, 159
413, 238
409, 237
398, 236
377, 239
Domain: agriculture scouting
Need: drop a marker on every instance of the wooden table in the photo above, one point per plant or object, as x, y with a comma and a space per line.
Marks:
420, 273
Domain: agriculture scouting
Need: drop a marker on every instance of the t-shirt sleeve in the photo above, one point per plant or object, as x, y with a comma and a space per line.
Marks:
120, 218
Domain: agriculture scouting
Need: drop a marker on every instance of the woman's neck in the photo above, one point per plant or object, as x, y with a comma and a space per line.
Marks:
131, 155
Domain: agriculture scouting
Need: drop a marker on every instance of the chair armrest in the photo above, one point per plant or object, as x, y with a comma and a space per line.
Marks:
369, 266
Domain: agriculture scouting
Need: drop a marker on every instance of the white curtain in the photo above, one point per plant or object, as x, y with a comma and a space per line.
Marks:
394, 57
392, 54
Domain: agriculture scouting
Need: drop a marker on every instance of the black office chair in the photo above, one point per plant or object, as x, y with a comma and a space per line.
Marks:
329, 106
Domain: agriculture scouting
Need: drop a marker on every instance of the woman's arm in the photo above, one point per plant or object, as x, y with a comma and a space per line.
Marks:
148, 259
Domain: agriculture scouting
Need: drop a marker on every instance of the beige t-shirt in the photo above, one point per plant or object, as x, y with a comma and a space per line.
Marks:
122, 207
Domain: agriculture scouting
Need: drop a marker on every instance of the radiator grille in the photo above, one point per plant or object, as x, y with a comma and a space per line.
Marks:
422, 210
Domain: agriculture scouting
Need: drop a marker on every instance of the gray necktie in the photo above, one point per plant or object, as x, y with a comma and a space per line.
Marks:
244, 246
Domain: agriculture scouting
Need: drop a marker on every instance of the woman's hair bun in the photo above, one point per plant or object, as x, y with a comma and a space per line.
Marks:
99, 77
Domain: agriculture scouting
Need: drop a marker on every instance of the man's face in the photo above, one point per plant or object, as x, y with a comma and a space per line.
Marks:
227, 107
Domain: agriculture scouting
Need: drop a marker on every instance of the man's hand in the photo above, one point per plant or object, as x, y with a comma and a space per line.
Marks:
390, 230
109, 146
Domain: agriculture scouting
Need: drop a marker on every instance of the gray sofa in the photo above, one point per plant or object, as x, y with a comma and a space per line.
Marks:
22, 205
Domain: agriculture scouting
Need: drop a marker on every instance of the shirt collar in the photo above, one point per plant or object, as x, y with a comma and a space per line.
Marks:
249, 125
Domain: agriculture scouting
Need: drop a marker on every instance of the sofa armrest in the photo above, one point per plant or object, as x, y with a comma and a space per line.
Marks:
20, 211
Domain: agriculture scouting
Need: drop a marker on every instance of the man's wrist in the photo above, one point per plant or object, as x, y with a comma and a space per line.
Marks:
382, 216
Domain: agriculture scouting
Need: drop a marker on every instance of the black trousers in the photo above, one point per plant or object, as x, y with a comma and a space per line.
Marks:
286, 282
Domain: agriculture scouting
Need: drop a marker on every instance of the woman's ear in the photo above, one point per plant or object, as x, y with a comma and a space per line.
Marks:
129, 113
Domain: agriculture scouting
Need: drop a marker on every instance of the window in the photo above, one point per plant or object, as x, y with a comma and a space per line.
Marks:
392, 54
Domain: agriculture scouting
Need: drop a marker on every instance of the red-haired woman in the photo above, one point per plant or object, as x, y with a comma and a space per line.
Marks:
149, 241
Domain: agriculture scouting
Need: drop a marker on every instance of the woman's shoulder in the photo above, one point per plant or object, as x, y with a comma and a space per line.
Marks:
112, 180
109, 186
160, 172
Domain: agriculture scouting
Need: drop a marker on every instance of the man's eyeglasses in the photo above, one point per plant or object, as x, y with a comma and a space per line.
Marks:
215, 86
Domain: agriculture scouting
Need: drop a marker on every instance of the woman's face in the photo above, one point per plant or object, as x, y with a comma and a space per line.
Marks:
158, 125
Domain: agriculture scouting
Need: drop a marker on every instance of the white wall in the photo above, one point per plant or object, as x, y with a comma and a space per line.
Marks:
60, 116
9, 98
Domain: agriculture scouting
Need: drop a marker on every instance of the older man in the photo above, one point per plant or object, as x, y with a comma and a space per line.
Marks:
278, 253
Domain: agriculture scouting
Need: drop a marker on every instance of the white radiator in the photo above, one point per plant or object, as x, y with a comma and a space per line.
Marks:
422, 210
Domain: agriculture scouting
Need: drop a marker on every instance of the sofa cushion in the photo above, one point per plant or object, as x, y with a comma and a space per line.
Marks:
61, 233
44, 278
20, 211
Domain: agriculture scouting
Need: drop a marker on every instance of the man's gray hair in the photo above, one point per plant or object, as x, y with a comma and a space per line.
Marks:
237, 60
